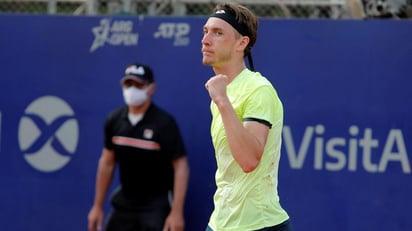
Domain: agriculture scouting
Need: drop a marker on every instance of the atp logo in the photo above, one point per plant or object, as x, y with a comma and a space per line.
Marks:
177, 31
48, 133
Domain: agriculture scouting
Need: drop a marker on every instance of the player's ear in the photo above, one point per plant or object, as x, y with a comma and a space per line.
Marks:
244, 41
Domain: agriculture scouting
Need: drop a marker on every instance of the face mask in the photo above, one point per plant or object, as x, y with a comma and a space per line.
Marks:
134, 96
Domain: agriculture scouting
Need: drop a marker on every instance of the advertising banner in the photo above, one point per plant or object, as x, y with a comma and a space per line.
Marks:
345, 86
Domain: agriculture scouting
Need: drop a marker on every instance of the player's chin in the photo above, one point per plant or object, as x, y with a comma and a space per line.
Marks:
206, 61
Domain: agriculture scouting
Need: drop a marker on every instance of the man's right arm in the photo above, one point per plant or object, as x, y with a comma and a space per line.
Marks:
105, 172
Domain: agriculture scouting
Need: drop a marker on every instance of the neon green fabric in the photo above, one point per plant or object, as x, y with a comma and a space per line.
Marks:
248, 201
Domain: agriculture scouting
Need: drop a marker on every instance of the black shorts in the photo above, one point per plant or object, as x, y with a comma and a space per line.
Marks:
284, 226
149, 216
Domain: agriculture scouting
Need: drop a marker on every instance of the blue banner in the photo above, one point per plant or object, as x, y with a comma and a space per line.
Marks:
345, 85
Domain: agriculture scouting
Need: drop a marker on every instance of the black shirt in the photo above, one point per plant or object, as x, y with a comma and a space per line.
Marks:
144, 152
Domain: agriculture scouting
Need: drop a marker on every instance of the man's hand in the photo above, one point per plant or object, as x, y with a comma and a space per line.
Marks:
174, 222
95, 219
216, 87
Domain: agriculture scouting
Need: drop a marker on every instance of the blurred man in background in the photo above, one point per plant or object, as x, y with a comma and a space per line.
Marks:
146, 144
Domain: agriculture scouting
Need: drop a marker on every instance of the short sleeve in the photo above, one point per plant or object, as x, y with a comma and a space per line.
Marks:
108, 133
172, 140
262, 106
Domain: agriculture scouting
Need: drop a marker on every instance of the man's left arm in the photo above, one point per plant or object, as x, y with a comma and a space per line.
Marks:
175, 220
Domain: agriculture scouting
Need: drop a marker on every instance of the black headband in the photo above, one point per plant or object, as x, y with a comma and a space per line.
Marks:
229, 16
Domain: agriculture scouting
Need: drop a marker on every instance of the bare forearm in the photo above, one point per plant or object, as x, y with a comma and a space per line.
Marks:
103, 181
245, 147
246, 142
180, 184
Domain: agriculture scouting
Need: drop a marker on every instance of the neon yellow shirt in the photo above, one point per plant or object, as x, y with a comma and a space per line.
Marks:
248, 201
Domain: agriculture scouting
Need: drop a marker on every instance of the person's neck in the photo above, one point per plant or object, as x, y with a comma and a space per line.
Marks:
231, 71
141, 109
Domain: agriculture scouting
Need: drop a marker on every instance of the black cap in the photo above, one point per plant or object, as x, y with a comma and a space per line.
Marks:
138, 72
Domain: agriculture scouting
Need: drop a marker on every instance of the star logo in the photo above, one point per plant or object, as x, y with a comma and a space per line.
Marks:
101, 33
115, 33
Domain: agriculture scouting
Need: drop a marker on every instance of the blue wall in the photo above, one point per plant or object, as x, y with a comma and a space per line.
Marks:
345, 86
